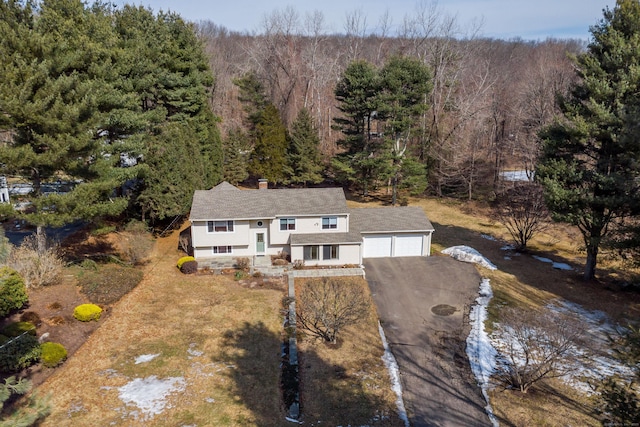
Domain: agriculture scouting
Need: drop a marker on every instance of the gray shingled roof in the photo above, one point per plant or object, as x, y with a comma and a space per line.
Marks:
325, 238
390, 219
224, 202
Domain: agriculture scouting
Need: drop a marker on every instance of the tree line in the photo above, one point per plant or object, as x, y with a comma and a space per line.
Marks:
111, 102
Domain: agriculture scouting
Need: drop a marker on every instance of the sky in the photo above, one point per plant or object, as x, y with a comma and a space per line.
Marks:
501, 19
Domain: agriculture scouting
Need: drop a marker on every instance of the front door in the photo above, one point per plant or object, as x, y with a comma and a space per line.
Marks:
260, 243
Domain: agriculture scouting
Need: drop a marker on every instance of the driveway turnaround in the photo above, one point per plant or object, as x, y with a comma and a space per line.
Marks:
423, 304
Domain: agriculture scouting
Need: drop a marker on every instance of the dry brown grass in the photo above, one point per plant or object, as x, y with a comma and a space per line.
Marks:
222, 338
525, 282
347, 383
225, 340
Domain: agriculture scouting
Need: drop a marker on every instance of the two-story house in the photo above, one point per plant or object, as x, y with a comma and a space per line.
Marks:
310, 224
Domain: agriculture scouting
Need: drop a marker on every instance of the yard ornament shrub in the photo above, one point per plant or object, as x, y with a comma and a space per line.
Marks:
13, 291
189, 267
87, 312
53, 354
184, 259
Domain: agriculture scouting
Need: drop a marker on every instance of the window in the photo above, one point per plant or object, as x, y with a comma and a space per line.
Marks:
329, 223
311, 253
287, 224
330, 252
220, 226
222, 249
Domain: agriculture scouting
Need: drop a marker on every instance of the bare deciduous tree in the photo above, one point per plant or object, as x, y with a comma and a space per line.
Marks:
522, 210
536, 345
37, 267
325, 306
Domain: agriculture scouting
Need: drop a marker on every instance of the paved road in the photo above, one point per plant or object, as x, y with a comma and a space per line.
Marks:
438, 385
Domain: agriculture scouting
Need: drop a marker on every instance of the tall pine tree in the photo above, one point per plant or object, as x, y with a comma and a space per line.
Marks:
268, 159
589, 167
303, 157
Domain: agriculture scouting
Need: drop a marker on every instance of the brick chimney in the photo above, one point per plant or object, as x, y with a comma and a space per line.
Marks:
263, 184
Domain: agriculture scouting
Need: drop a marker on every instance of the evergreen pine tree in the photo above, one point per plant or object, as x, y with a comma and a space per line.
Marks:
268, 158
589, 166
303, 156
235, 150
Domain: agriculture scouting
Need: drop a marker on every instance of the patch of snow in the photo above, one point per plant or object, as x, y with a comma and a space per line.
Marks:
394, 372
150, 394
468, 254
562, 266
291, 420
509, 247
481, 353
517, 175
556, 265
146, 358
507, 258
193, 352
488, 237
598, 364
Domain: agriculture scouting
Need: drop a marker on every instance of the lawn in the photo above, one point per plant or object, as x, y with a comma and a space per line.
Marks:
205, 350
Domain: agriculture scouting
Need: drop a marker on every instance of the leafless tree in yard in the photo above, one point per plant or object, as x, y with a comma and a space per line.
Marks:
535, 345
326, 306
522, 210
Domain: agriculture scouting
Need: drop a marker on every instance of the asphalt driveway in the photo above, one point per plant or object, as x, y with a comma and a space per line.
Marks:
423, 304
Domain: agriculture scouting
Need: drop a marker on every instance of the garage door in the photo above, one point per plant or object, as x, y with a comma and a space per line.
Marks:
408, 245
376, 246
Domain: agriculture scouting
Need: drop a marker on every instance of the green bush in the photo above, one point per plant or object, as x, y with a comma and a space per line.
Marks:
19, 353
89, 264
87, 312
189, 267
53, 354
17, 328
184, 259
13, 291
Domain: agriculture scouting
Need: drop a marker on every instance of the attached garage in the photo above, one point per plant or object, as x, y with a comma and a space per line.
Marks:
376, 246
408, 245
392, 232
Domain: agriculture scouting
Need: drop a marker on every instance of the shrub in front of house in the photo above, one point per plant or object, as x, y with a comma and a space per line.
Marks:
184, 259
87, 312
189, 267
243, 263
19, 353
18, 328
53, 354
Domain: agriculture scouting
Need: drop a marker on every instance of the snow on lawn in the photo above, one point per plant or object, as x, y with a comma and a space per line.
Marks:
556, 265
599, 360
146, 358
468, 254
482, 355
394, 372
150, 394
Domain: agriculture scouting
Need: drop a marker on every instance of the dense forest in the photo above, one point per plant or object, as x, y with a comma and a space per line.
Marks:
488, 98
